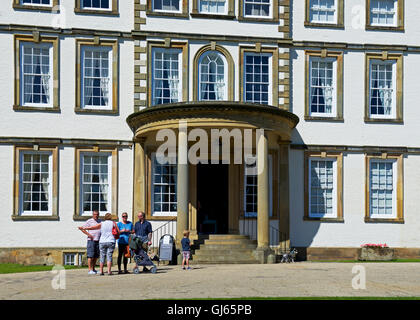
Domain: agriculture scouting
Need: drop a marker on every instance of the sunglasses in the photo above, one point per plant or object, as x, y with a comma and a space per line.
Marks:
125, 216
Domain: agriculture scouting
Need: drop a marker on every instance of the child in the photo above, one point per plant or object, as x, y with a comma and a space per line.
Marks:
186, 250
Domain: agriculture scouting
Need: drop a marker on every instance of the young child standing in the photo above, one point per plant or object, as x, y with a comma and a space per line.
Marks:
186, 250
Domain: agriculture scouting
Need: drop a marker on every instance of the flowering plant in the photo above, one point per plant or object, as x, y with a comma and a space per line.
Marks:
371, 245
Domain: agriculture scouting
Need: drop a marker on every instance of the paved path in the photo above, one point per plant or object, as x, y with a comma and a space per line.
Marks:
302, 279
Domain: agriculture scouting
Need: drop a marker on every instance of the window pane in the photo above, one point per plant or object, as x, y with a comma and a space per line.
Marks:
36, 74
257, 8
35, 185
383, 12
212, 84
96, 77
166, 5
164, 187
321, 187
95, 4
381, 187
166, 76
322, 90
256, 78
382, 94
96, 183
322, 11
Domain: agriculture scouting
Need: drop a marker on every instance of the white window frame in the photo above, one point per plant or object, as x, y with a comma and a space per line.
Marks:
311, 20
394, 189
49, 46
395, 22
81, 184
333, 113
270, 75
253, 160
82, 6
334, 193
172, 161
225, 76
180, 65
215, 13
50, 184
270, 11
163, 10
36, 4
392, 115
109, 50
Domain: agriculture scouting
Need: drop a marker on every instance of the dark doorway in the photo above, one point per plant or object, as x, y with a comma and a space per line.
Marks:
212, 198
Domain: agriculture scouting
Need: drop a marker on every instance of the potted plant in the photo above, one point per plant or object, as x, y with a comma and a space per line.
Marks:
376, 252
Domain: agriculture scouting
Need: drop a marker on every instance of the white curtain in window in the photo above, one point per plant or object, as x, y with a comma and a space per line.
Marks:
220, 89
45, 186
105, 90
88, 91
173, 86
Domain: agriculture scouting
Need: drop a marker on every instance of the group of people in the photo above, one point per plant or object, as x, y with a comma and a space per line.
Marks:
101, 240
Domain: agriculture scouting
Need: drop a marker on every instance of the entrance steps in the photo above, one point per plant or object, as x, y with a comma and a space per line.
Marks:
224, 249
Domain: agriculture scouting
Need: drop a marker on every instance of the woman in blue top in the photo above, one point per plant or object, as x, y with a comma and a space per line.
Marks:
126, 228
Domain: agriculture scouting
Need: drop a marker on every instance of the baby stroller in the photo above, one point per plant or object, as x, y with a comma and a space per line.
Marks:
138, 250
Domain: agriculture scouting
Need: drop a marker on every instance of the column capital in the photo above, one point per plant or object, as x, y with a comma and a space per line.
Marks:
283, 142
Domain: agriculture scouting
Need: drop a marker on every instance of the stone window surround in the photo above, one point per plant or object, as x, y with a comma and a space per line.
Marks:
113, 12
114, 181
275, 70
399, 187
399, 86
36, 38
17, 4
339, 158
16, 184
230, 72
339, 84
115, 86
340, 17
168, 45
182, 14
400, 18
274, 18
197, 14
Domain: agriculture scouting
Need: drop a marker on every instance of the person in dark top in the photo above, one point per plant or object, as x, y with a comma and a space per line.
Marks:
186, 250
143, 229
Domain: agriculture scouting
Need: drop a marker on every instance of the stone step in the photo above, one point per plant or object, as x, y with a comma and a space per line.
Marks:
223, 259
230, 242
228, 247
227, 236
231, 252
225, 249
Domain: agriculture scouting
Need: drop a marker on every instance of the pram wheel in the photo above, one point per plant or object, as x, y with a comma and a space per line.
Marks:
153, 270
136, 271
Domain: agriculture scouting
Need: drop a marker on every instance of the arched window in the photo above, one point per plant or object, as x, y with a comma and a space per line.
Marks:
212, 76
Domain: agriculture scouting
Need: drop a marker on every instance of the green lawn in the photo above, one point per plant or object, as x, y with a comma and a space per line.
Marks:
17, 268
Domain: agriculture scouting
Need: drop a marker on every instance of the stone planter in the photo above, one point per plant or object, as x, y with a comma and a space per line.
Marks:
376, 254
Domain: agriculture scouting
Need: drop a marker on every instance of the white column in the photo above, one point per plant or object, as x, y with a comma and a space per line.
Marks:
263, 193
182, 182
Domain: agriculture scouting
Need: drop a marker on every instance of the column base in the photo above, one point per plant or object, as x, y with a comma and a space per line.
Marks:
261, 254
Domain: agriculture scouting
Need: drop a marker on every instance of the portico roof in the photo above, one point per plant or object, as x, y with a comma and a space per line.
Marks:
210, 114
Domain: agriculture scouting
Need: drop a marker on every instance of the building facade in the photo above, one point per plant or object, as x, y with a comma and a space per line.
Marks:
324, 89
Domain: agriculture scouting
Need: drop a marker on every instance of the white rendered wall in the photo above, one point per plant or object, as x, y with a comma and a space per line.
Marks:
67, 18
66, 123
354, 131
354, 26
354, 232
212, 26
62, 233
